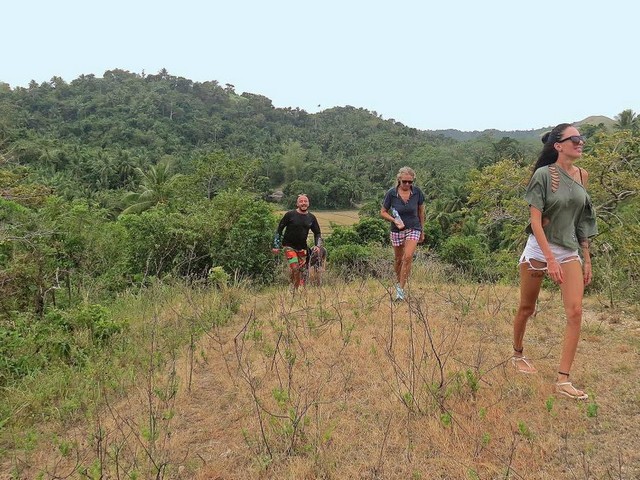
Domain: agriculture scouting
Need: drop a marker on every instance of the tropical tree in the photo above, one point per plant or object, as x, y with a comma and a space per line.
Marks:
614, 187
293, 160
496, 194
217, 171
155, 187
627, 120
613, 165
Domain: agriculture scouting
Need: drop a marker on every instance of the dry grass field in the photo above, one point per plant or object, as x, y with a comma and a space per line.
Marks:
339, 382
338, 217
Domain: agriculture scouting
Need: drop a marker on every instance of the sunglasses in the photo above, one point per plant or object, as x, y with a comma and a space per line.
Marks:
575, 139
407, 182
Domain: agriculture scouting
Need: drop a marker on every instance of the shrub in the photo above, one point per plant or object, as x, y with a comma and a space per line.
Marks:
352, 260
242, 232
372, 230
502, 265
29, 344
466, 253
98, 320
161, 242
370, 209
217, 277
433, 234
341, 236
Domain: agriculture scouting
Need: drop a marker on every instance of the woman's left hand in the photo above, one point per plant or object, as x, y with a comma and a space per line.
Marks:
421, 239
587, 273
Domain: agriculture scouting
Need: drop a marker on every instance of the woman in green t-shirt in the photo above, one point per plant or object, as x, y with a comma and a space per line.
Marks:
561, 222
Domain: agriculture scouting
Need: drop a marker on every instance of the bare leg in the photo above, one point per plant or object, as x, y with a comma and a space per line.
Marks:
572, 294
302, 268
407, 261
530, 281
295, 276
398, 253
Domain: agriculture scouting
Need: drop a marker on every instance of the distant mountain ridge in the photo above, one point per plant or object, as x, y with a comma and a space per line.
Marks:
517, 134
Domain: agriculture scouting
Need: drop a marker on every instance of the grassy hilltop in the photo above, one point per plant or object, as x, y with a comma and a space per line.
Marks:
340, 382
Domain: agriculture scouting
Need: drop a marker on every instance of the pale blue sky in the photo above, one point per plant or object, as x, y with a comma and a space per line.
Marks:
469, 65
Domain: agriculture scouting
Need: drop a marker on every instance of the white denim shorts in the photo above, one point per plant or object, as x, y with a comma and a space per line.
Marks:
532, 251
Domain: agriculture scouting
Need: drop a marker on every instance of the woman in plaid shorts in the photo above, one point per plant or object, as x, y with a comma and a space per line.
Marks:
403, 206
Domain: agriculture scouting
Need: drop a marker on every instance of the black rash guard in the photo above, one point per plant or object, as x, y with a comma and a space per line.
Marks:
297, 227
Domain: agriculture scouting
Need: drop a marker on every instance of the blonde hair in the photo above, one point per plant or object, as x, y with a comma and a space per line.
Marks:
405, 171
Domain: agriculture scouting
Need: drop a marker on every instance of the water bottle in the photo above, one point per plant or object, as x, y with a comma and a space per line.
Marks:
397, 220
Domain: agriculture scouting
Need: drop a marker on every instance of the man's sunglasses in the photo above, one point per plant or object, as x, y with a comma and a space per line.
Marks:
408, 182
575, 139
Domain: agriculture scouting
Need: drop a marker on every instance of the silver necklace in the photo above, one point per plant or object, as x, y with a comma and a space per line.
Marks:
569, 183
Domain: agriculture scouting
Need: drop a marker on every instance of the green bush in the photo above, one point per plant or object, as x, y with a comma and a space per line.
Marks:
162, 242
242, 234
502, 265
370, 209
30, 344
433, 234
466, 253
373, 230
89, 244
217, 277
340, 236
98, 321
352, 260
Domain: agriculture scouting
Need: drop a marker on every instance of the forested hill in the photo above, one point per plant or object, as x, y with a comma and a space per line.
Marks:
592, 121
466, 135
91, 134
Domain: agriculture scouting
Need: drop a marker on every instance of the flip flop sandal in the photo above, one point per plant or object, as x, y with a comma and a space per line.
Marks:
515, 362
568, 390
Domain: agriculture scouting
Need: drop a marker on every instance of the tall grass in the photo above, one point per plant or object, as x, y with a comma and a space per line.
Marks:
341, 382
164, 322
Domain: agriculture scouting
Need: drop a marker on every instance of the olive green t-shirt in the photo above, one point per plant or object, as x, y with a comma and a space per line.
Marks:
564, 203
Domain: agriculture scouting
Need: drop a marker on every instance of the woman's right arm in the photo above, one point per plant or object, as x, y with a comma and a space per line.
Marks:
386, 207
384, 213
553, 267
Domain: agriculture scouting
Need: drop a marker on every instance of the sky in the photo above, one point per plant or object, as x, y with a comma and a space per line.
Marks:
466, 65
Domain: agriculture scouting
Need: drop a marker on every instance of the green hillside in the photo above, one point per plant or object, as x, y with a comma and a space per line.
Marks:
136, 234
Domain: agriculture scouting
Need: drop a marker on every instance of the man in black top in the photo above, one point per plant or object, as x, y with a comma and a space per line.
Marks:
296, 225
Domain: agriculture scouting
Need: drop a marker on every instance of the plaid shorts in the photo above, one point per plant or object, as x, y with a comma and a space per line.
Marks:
398, 238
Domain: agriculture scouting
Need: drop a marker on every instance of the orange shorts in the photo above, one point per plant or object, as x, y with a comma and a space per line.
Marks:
295, 258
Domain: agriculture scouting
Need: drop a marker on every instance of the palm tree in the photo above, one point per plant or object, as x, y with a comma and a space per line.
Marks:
126, 169
105, 169
627, 120
155, 187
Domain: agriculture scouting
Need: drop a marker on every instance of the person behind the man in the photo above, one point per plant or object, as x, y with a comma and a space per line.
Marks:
296, 225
